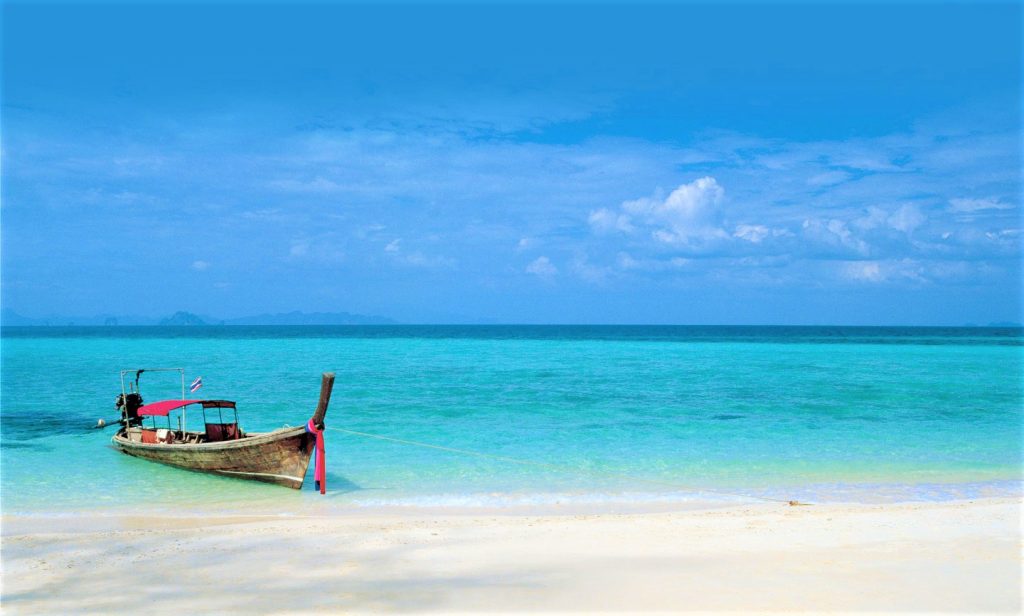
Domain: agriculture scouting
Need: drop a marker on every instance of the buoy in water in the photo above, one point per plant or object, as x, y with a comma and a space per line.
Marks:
100, 423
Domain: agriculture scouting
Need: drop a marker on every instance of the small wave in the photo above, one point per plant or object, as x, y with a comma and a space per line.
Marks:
550, 500
832, 493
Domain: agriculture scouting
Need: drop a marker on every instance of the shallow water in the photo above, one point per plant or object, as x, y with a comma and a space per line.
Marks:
604, 416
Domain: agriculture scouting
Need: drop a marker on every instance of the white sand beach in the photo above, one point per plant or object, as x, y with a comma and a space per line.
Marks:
934, 557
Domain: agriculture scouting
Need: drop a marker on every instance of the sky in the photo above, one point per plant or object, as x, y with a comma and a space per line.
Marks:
755, 163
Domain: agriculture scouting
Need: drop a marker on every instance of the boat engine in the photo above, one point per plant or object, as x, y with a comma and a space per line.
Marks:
129, 406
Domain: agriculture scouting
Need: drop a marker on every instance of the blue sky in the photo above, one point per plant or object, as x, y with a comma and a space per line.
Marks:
668, 163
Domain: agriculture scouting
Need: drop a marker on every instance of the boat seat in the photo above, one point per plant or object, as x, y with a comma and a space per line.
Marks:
222, 432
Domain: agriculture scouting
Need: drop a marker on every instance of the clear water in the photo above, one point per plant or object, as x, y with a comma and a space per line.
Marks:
609, 416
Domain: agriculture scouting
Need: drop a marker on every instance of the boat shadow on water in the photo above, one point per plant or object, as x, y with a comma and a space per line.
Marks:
168, 480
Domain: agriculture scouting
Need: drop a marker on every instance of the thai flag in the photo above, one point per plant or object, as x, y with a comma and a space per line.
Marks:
196, 384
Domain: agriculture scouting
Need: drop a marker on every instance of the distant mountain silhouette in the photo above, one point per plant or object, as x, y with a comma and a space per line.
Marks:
184, 318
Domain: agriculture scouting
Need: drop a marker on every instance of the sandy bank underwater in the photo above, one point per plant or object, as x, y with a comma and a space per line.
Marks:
953, 556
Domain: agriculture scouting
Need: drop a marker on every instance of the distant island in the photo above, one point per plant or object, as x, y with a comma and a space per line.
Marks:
183, 318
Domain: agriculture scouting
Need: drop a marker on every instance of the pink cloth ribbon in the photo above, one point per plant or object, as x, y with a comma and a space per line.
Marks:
320, 470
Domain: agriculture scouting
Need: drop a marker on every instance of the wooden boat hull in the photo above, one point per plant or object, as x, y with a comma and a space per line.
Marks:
279, 457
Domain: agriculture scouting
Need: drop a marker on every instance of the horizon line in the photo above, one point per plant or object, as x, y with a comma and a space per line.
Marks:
992, 325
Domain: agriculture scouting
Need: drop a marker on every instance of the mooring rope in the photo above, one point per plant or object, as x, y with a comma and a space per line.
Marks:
558, 467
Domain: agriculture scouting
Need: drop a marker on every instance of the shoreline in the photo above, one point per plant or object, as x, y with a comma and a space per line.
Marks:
948, 556
273, 502
315, 506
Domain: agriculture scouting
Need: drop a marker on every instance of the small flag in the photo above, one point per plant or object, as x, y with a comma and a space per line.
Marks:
196, 384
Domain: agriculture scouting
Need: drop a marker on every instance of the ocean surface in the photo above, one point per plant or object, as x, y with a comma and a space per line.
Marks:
596, 417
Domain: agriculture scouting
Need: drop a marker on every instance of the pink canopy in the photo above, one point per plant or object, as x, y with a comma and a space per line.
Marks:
165, 406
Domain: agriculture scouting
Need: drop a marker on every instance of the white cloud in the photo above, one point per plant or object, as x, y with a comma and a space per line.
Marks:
1007, 238
542, 267
588, 271
884, 271
121, 197
875, 218
756, 234
688, 216
604, 221
834, 233
974, 205
906, 218
415, 258
200, 265
689, 213
626, 262
868, 271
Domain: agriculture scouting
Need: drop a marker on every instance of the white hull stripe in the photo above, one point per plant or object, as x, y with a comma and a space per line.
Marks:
299, 479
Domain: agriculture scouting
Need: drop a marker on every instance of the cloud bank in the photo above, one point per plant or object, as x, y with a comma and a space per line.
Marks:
937, 207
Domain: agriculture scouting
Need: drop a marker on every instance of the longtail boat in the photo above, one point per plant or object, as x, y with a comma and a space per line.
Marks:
280, 457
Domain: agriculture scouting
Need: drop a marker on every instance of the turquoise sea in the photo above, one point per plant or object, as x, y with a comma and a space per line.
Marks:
609, 417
